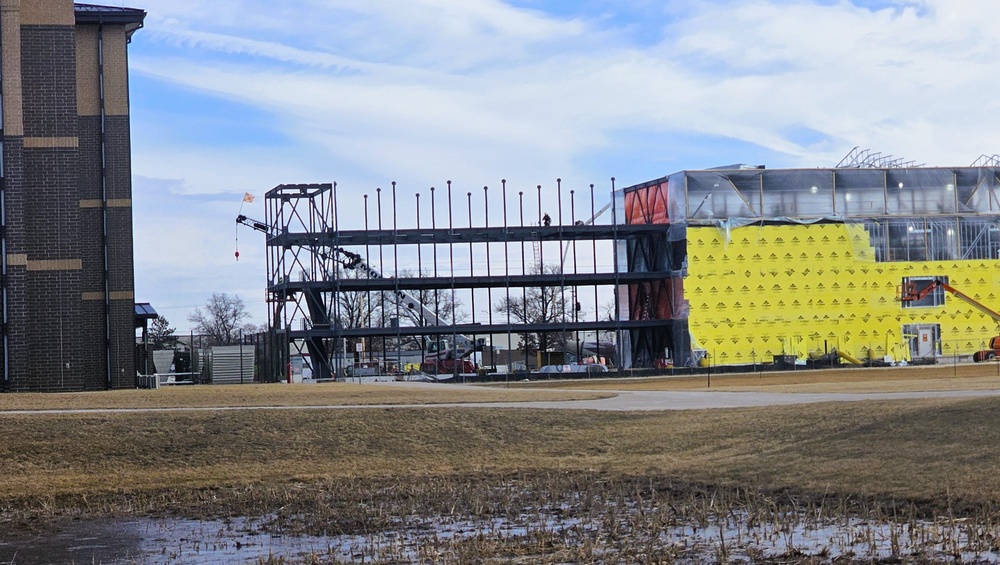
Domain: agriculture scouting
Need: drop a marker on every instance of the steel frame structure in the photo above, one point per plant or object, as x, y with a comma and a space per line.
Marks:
305, 281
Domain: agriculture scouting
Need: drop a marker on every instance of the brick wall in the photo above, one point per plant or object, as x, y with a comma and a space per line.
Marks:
48, 78
17, 274
55, 208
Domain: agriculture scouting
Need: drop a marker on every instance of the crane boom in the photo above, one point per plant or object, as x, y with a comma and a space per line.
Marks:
255, 224
351, 260
909, 293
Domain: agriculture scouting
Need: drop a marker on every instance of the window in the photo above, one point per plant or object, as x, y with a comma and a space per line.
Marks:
934, 239
917, 285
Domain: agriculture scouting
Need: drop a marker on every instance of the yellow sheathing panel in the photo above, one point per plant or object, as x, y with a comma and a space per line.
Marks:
10, 68
773, 290
47, 12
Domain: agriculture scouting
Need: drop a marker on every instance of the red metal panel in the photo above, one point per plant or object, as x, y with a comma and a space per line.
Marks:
647, 205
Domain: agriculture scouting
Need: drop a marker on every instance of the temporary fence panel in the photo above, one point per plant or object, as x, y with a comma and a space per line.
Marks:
231, 364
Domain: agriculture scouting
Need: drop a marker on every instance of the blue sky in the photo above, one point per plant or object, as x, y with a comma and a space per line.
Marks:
234, 96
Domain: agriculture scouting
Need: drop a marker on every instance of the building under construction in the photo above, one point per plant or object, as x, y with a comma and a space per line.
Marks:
854, 259
873, 261
520, 271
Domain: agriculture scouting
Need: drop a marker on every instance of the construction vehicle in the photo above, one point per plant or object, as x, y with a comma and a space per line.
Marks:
443, 355
909, 292
988, 354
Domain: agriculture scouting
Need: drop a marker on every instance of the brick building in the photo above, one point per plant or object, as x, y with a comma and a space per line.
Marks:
65, 196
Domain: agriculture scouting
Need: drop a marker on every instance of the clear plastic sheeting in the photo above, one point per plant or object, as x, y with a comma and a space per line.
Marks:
910, 214
705, 197
718, 195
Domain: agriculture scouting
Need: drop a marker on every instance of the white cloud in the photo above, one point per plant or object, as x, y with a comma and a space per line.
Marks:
423, 91
747, 70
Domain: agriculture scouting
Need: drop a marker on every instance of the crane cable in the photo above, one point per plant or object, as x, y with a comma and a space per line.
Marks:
247, 197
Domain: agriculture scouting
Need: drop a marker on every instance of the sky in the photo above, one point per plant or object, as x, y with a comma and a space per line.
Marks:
237, 96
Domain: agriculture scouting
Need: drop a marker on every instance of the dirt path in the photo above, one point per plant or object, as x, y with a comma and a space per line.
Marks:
634, 400
679, 400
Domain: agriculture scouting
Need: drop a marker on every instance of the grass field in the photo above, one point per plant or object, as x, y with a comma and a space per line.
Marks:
841, 446
926, 449
360, 472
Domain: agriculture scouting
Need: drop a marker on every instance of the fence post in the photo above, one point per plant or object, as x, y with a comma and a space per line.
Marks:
241, 356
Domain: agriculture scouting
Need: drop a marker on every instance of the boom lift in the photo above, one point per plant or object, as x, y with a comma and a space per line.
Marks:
441, 355
908, 292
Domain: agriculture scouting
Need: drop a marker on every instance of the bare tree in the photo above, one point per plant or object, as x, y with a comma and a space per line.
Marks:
441, 303
356, 309
250, 328
373, 309
538, 305
221, 319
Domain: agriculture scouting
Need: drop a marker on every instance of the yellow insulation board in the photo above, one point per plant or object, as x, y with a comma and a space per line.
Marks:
788, 290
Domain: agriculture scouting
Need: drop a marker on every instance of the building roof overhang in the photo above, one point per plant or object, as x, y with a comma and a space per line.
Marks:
131, 18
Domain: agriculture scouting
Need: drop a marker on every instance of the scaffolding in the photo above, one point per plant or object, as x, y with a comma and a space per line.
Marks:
390, 281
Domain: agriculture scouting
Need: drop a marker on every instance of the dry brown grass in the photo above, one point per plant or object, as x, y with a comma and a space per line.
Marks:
937, 450
980, 376
281, 395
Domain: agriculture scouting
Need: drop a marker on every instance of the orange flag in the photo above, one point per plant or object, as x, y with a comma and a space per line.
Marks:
247, 197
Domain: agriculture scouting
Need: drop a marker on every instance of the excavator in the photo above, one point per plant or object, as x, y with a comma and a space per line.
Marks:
443, 355
909, 292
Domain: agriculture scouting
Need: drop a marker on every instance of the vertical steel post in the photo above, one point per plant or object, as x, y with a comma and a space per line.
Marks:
489, 289
541, 246
506, 272
618, 318
451, 257
366, 314
524, 290
472, 268
593, 242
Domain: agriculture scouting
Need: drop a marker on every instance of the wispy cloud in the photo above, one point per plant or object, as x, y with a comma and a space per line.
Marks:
427, 90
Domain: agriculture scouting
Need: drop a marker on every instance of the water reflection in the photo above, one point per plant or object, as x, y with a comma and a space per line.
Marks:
730, 536
148, 540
